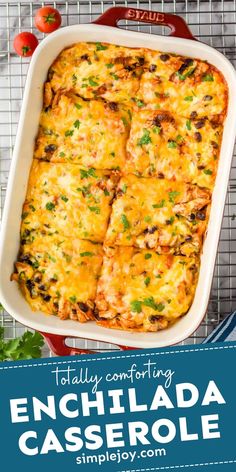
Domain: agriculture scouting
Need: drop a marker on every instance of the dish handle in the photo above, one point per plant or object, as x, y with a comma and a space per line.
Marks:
113, 15
58, 346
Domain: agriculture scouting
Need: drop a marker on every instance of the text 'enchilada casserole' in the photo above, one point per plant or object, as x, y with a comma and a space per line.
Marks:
119, 192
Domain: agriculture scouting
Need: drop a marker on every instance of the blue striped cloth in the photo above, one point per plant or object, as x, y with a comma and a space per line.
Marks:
226, 331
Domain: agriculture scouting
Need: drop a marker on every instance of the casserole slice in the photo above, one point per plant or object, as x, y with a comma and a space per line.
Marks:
173, 147
154, 213
182, 85
58, 275
66, 200
98, 70
88, 133
140, 290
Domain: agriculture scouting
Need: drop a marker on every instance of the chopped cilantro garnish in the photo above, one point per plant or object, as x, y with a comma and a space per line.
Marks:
156, 129
147, 281
189, 98
86, 254
124, 188
148, 219
50, 206
125, 222
160, 306
207, 171
139, 103
62, 154
51, 258
207, 78
95, 209
188, 125
115, 76
187, 74
84, 174
150, 302
77, 124
100, 47
173, 195
109, 66
24, 215
78, 106
147, 256
69, 132
92, 82
73, 299
86, 190
172, 144
64, 198
145, 139
160, 204
136, 306
35, 264
92, 173
170, 221
74, 79
67, 257
106, 192
125, 122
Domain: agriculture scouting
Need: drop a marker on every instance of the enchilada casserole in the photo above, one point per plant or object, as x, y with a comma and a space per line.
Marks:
120, 187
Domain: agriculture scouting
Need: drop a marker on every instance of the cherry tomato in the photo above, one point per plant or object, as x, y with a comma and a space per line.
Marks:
47, 19
25, 44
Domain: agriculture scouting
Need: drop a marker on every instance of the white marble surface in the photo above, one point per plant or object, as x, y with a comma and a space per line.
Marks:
214, 23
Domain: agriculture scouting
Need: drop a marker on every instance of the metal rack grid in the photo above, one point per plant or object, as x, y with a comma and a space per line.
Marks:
213, 22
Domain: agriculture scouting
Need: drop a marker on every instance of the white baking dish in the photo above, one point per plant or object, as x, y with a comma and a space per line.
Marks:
44, 55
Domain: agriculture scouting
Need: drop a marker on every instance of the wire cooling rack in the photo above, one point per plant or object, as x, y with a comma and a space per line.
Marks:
212, 22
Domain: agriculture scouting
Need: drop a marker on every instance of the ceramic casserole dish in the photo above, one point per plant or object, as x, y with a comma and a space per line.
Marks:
105, 29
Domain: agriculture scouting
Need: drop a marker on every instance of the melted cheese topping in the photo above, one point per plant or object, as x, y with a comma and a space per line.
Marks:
65, 199
152, 213
154, 120
59, 275
173, 147
98, 70
141, 290
92, 134
183, 86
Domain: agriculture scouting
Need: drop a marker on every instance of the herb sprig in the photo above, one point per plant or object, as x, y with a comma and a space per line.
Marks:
28, 346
